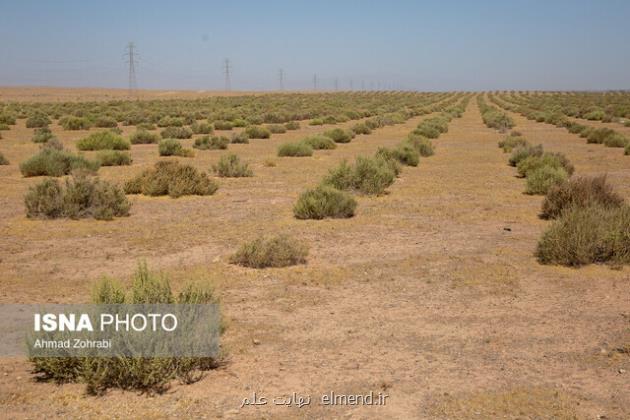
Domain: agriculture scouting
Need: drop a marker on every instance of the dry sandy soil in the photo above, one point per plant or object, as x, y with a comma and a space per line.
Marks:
430, 294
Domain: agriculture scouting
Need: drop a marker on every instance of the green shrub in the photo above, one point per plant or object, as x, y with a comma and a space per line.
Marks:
176, 133
231, 166
173, 179
423, 145
361, 128
615, 140
319, 142
239, 138
339, 135
37, 121
103, 140
298, 149
172, 147
274, 251
367, 176
585, 235
523, 152
579, 192
3, 160
403, 153
105, 122
240, 122
202, 128
82, 197
323, 202
541, 179
211, 143
599, 135
51, 162
257, 132
170, 122
575, 128
151, 374
316, 121
42, 135
512, 142
292, 125
276, 128
497, 119
223, 125
554, 160
142, 136
145, 126
113, 158
74, 123
627, 150
7, 119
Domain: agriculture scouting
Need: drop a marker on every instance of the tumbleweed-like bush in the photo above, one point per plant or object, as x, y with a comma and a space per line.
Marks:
323, 202
173, 179
273, 251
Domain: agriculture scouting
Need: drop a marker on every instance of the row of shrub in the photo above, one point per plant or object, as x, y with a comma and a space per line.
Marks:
541, 169
368, 175
606, 136
591, 222
493, 117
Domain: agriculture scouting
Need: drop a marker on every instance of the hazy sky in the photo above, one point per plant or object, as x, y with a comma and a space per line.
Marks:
437, 45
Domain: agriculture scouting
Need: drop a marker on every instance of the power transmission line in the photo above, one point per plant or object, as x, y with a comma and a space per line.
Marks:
131, 56
227, 68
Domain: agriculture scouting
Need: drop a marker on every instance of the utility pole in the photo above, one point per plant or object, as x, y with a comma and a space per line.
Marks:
315, 82
281, 78
227, 68
351, 87
130, 55
336, 83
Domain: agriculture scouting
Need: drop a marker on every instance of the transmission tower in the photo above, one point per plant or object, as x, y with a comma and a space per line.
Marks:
281, 79
315, 82
227, 68
351, 85
131, 57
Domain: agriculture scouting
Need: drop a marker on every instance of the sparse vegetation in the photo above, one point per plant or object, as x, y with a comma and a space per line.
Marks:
541, 179
3, 160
